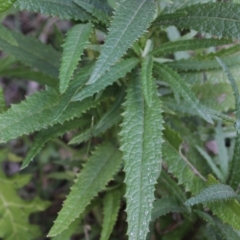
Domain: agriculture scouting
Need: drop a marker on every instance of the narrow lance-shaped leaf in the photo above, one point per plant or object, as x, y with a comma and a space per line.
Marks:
177, 166
111, 205
228, 211
47, 135
78, 91
172, 186
132, 18
191, 44
141, 145
226, 231
7, 36
178, 4
6, 62
97, 172
207, 63
111, 117
67, 233
5, 4
211, 163
147, 79
178, 85
115, 72
2, 101
76, 41
220, 19
96, 130
186, 109
65, 9
99, 9
75, 86
235, 91
26, 73
215, 192
222, 151
31, 52
165, 205
230, 56
38, 111
234, 173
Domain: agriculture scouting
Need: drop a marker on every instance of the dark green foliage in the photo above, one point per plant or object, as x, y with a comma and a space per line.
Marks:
131, 115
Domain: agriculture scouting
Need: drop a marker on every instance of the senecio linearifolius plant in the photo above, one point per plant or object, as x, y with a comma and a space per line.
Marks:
164, 83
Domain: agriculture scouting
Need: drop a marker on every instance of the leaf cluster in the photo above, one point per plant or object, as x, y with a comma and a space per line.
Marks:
141, 107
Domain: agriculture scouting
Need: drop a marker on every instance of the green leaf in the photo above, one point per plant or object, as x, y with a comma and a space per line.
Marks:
67, 233
6, 35
76, 41
184, 65
115, 72
234, 173
141, 145
13, 121
234, 177
32, 52
147, 79
111, 205
235, 91
215, 96
96, 130
2, 101
5, 4
97, 8
65, 9
224, 230
27, 74
191, 44
15, 212
131, 19
97, 172
185, 108
78, 91
215, 192
38, 112
47, 135
172, 187
228, 212
177, 4
172, 137
165, 205
211, 163
77, 84
179, 86
220, 19
177, 166
111, 117
6, 62
222, 151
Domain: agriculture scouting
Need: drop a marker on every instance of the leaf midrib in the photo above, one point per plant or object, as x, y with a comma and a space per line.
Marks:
71, 212
141, 180
17, 120
123, 32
